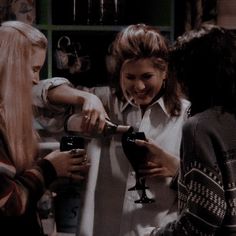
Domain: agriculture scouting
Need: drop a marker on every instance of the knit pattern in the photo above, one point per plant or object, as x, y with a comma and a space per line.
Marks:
207, 178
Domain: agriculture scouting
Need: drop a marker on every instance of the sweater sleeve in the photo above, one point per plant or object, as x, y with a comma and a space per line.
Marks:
20, 190
202, 202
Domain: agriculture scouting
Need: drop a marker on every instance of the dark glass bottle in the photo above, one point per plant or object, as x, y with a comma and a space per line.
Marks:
67, 202
73, 125
107, 12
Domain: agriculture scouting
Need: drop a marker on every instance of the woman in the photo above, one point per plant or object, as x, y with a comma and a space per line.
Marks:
23, 176
144, 97
204, 60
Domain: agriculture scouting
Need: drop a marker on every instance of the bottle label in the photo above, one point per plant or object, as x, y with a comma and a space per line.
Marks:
67, 210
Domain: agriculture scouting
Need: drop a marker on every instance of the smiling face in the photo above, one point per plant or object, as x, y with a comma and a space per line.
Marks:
37, 61
141, 81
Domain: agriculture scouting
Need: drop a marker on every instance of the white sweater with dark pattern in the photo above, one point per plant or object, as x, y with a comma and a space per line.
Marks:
207, 178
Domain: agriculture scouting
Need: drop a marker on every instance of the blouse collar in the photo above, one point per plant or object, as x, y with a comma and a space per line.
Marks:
158, 102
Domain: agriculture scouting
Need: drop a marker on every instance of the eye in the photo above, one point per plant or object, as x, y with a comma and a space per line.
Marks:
36, 69
130, 77
147, 76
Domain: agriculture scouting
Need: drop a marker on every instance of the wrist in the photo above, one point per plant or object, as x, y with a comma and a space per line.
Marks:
48, 171
81, 97
173, 164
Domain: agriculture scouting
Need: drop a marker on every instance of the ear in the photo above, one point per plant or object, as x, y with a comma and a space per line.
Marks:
164, 74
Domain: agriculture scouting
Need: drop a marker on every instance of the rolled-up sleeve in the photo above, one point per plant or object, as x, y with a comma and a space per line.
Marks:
40, 91
51, 117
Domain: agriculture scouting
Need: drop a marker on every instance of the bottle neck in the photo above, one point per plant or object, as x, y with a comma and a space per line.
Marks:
112, 128
123, 128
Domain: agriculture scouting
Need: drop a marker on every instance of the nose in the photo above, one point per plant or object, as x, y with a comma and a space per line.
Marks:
139, 85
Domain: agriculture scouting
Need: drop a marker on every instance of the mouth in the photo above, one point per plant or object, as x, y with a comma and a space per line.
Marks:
141, 95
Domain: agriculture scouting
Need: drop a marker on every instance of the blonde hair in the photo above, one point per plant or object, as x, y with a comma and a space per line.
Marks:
17, 41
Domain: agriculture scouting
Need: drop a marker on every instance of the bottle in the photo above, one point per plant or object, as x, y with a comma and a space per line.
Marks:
45, 208
67, 200
107, 12
73, 126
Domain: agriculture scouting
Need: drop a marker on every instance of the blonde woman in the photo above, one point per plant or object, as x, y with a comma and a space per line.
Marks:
23, 177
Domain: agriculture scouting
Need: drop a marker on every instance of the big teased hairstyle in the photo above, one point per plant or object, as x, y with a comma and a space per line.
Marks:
141, 41
17, 41
204, 61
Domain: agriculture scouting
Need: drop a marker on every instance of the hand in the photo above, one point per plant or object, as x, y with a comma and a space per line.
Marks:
94, 114
159, 162
72, 164
92, 108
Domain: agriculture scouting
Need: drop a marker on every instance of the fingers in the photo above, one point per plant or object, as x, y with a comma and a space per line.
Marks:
158, 171
93, 121
86, 122
94, 113
75, 177
77, 152
148, 142
79, 168
78, 165
78, 172
155, 151
144, 143
101, 123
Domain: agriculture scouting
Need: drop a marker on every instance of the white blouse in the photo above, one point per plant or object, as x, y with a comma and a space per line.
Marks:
115, 213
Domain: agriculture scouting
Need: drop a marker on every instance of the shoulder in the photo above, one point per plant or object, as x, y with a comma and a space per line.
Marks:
185, 105
200, 124
40, 90
53, 82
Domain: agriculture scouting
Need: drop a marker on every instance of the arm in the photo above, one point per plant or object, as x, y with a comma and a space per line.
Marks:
54, 98
91, 105
20, 190
201, 193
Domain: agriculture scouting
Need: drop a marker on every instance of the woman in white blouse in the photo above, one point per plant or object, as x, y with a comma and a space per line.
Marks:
143, 96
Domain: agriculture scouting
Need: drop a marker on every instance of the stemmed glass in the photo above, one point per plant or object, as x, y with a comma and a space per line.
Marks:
137, 158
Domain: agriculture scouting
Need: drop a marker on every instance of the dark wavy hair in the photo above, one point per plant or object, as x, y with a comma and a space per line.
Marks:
204, 61
142, 41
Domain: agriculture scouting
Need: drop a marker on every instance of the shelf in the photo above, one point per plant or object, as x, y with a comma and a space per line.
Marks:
91, 27
54, 24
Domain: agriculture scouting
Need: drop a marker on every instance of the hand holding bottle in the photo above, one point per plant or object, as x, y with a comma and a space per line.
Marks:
93, 112
90, 106
76, 125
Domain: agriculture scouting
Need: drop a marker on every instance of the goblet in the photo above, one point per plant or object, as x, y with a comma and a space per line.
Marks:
137, 158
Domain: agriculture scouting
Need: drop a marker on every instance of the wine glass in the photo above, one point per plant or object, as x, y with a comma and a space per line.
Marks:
137, 158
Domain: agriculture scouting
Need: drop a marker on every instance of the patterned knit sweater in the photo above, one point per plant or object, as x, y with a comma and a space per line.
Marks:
207, 179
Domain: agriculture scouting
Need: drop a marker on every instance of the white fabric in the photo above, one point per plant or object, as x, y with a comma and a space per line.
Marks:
85, 227
115, 213
120, 215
